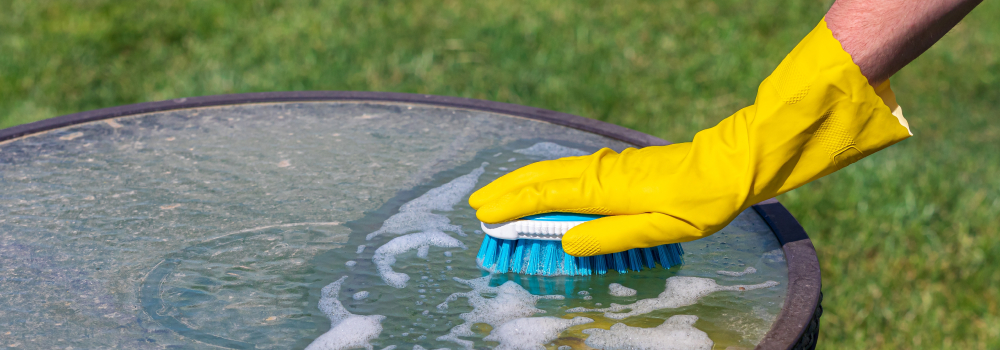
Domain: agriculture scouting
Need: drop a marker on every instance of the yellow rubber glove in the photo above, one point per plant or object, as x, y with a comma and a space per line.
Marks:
816, 113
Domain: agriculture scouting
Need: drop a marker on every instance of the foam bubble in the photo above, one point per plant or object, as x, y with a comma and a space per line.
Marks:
347, 330
361, 248
385, 255
416, 215
551, 150
619, 290
747, 271
511, 302
676, 333
680, 291
360, 295
774, 256
350, 263
531, 332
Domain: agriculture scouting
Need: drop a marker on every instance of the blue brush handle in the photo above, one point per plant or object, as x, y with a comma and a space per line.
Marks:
563, 217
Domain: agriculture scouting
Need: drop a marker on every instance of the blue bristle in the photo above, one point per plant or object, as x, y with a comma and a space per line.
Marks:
569, 265
487, 253
534, 258
662, 257
550, 263
503, 261
634, 261
546, 258
600, 264
647, 255
676, 254
517, 262
617, 263
585, 266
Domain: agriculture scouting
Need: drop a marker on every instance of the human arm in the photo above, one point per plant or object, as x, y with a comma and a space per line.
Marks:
816, 113
883, 36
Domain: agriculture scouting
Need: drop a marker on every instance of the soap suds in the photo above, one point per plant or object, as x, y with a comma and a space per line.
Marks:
676, 333
549, 150
417, 215
747, 271
680, 291
385, 255
619, 290
774, 256
361, 248
360, 295
347, 330
750, 326
532, 332
350, 263
511, 301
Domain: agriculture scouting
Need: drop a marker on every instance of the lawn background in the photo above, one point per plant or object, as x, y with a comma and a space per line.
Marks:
907, 238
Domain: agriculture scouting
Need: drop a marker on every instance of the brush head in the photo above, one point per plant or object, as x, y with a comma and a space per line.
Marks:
532, 245
547, 258
545, 227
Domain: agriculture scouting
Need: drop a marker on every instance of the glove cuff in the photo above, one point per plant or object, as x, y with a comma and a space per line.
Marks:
815, 114
884, 91
822, 113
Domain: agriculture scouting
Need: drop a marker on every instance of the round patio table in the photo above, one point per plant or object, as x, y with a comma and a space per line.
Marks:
265, 220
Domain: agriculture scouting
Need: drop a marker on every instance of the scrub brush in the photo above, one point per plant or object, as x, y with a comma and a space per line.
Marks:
533, 246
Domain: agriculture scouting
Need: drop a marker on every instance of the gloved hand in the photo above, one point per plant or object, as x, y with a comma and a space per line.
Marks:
816, 113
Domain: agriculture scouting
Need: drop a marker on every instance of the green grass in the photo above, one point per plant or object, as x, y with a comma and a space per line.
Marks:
908, 238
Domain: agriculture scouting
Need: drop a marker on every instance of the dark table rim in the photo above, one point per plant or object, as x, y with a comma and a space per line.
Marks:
801, 303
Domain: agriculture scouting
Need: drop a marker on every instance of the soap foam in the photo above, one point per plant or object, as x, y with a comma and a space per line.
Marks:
417, 215
360, 295
619, 290
549, 150
774, 256
385, 255
680, 291
531, 332
347, 330
676, 333
750, 326
511, 302
747, 271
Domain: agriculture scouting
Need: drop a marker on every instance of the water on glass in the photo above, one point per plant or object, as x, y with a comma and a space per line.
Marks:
328, 226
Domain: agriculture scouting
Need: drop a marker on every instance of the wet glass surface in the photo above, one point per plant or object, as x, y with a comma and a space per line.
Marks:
221, 227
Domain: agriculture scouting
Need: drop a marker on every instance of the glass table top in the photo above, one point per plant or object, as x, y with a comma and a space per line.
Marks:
328, 225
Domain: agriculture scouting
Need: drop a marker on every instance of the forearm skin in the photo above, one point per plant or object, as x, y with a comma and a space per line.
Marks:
883, 36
